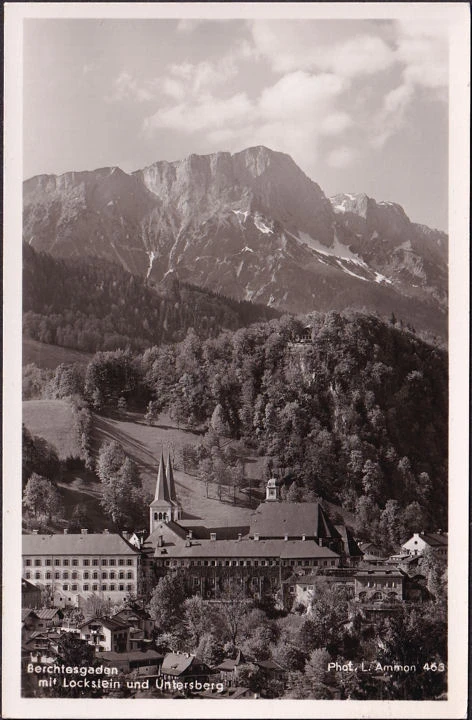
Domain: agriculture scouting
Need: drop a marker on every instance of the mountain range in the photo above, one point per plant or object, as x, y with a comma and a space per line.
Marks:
251, 226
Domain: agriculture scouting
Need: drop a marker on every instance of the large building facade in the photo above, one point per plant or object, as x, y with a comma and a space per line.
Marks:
75, 566
282, 538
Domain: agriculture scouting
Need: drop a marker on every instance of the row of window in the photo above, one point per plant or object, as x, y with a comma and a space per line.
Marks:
75, 576
249, 563
95, 587
38, 562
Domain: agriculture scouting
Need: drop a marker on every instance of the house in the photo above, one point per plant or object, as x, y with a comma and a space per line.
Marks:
184, 667
141, 662
49, 618
42, 646
372, 553
228, 669
302, 589
419, 542
77, 565
30, 594
137, 618
105, 634
378, 584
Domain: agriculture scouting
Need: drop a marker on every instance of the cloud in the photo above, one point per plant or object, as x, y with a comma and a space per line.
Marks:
423, 54
125, 87
290, 46
207, 113
342, 157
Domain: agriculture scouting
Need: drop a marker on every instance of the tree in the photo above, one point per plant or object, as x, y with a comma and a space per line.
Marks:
321, 682
122, 495
96, 606
210, 649
197, 620
219, 422
41, 498
232, 608
166, 605
325, 624
252, 677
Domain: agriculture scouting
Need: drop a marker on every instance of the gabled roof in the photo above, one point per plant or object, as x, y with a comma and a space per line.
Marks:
172, 534
434, 539
352, 548
26, 612
275, 520
177, 663
48, 613
110, 623
27, 587
78, 544
229, 664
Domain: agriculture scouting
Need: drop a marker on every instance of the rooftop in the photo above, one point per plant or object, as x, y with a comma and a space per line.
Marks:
177, 663
293, 519
77, 544
247, 548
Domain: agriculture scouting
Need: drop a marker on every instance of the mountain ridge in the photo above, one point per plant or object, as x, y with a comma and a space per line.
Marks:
251, 225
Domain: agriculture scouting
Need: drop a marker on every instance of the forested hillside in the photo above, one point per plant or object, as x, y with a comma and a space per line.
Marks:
91, 304
358, 416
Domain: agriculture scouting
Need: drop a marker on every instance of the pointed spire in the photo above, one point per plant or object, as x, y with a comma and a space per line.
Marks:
170, 479
161, 485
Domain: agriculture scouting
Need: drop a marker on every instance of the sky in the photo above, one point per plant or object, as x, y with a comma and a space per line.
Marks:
360, 105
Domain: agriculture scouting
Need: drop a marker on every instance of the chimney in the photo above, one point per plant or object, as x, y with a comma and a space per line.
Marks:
65, 531
303, 537
239, 537
84, 531
105, 532
190, 534
256, 536
285, 537
35, 532
160, 541
213, 536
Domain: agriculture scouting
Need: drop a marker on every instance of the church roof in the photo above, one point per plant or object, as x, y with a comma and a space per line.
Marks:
245, 548
170, 480
162, 493
275, 520
172, 534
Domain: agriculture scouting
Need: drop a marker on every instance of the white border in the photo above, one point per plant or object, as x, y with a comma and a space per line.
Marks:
14, 706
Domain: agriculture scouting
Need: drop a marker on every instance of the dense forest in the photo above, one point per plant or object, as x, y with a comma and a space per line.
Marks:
91, 304
358, 416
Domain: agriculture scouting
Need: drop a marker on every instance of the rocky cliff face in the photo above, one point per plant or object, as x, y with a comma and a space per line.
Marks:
251, 225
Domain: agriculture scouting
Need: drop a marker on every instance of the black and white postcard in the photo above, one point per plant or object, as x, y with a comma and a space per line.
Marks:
236, 302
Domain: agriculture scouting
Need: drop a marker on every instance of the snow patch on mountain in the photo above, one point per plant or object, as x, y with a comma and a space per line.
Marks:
152, 256
261, 226
349, 272
338, 249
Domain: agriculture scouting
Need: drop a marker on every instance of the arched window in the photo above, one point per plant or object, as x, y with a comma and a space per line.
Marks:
155, 516
377, 596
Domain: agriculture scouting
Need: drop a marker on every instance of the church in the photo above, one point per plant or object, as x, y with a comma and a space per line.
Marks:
282, 539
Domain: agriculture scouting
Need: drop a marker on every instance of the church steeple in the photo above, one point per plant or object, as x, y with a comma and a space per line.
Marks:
161, 484
161, 508
170, 480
